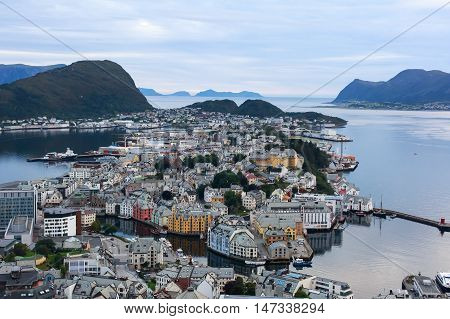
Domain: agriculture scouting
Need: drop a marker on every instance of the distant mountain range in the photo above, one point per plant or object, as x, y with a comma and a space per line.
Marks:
13, 72
207, 93
262, 109
408, 87
82, 89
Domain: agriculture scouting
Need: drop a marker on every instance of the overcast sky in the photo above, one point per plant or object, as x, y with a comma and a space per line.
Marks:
275, 47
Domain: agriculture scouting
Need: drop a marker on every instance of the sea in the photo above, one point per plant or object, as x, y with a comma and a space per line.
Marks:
404, 161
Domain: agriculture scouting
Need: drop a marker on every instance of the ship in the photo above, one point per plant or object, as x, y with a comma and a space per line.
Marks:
299, 262
255, 262
443, 281
54, 156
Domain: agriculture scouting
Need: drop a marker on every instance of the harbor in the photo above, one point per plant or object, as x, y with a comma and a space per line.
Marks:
441, 225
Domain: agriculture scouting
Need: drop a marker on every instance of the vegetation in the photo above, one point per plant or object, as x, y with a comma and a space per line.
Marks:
233, 202
301, 293
152, 284
45, 247
96, 226
167, 195
225, 179
238, 287
208, 158
83, 89
201, 192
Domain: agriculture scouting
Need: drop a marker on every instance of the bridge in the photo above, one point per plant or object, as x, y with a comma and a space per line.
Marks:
441, 225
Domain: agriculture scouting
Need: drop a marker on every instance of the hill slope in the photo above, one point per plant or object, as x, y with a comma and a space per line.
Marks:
13, 72
82, 89
408, 87
262, 109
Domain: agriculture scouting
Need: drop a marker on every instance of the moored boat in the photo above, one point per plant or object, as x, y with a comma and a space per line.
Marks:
443, 281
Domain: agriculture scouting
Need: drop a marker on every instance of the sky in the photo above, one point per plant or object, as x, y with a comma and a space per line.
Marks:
276, 48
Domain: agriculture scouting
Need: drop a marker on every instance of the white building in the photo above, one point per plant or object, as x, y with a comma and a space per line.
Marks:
60, 222
126, 208
332, 288
21, 228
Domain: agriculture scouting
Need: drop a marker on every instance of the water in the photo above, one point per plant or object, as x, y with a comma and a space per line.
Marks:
404, 157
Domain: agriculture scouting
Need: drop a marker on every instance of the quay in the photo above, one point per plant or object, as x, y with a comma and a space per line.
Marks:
70, 158
441, 225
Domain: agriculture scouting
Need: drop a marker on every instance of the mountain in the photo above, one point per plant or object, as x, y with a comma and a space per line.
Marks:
408, 87
82, 89
219, 106
179, 93
13, 72
149, 92
212, 93
259, 108
262, 109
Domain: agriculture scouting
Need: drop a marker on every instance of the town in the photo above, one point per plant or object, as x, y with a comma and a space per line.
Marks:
255, 191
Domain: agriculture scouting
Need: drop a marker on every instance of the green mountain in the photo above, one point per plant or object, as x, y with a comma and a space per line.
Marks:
262, 109
407, 87
13, 72
82, 89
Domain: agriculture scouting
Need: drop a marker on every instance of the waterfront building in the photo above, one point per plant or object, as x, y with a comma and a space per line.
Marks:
84, 170
190, 220
281, 283
17, 201
88, 217
145, 252
232, 238
61, 222
332, 288
20, 228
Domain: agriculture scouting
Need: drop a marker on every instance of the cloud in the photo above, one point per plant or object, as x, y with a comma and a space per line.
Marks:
275, 47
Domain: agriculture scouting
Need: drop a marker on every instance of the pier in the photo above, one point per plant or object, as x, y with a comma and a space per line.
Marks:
442, 225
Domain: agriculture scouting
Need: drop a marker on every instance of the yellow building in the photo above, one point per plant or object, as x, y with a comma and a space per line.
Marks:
190, 222
287, 158
292, 228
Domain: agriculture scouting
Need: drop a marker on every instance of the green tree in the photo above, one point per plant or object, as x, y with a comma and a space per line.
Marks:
96, 227
45, 246
109, 229
20, 249
234, 287
167, 195
301, 293
201, 192
225, 179
11, 257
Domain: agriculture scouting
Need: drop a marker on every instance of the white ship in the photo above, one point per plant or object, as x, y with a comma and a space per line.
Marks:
443, 281
69, 154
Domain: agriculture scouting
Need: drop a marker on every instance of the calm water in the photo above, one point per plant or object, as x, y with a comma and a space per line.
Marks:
404, 157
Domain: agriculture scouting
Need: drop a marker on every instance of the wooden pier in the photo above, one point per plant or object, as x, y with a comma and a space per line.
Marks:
442, 226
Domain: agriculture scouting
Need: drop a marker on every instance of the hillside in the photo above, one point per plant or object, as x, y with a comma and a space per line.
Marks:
82, 89
259, 108
262, 109
13, 72
149, 92
407, 87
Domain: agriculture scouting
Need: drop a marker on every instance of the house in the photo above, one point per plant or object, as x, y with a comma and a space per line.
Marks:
145, 252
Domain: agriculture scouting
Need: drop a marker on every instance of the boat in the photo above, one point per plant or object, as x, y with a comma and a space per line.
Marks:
54, 156
255, 262
443, 281
299, 262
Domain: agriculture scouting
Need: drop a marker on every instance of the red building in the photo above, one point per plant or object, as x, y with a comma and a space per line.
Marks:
142, 210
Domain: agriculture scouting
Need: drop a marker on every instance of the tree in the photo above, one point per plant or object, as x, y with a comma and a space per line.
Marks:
242, 179
45, 247
96, 227
225, 179
11, 257
20, 249
295, 190
214, 159
167, 195
109, 229
238, 158
201, 192
234, 287
232, 201
300, 293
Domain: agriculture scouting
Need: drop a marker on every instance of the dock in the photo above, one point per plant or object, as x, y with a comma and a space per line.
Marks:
441, 225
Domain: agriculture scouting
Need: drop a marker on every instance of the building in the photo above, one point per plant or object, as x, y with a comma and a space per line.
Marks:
88, 217
21, 229
232, 238
276, 157
253, 199
24, 283
84, 170
191, 220
16, 201
145, 252
87, 264
281, 283
332, 288
60, 222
